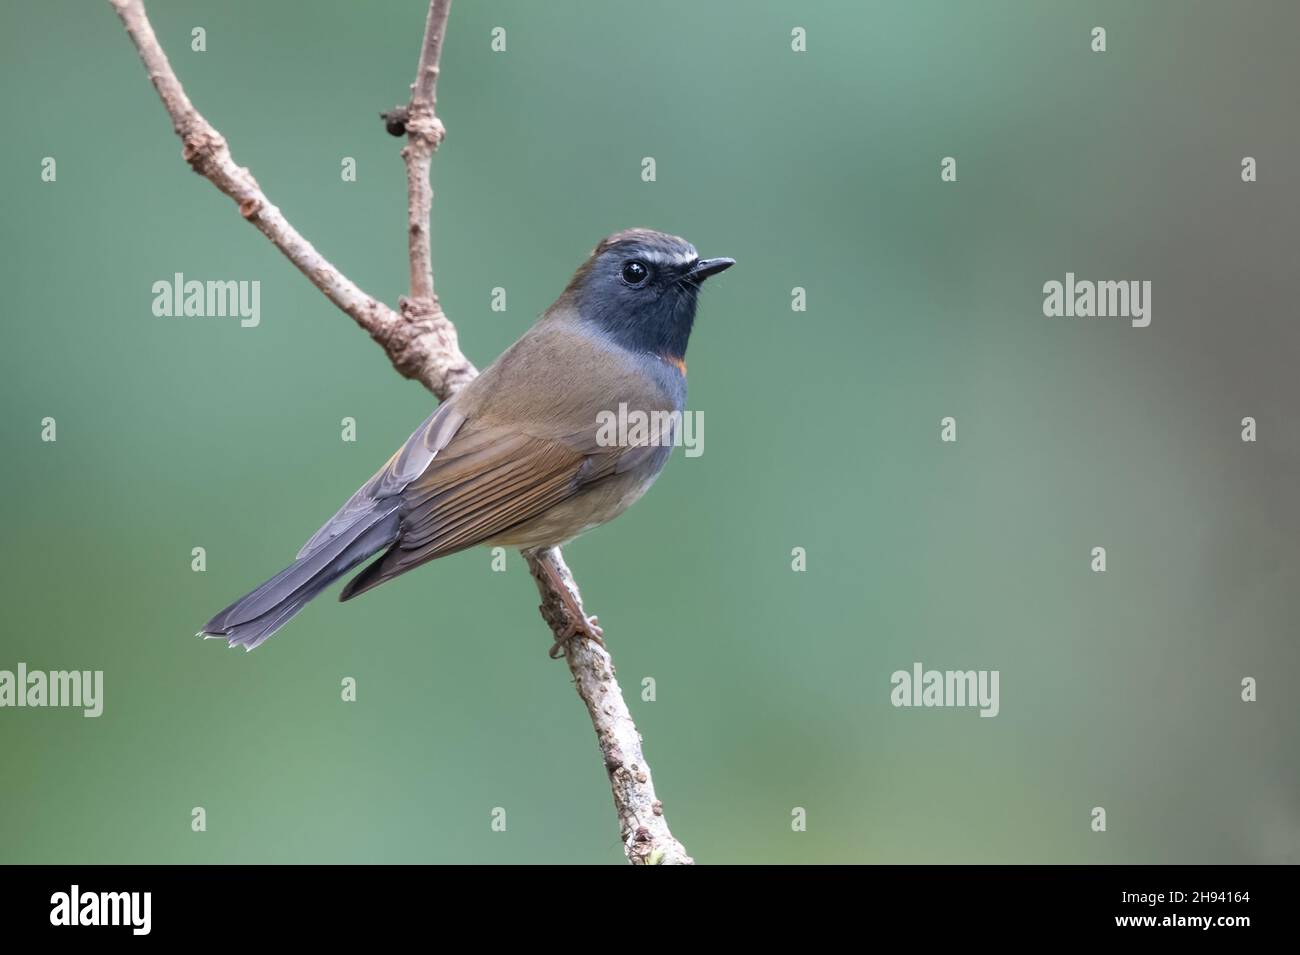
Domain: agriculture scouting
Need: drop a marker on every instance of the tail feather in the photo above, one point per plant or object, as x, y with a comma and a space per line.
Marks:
253, 618
374, 575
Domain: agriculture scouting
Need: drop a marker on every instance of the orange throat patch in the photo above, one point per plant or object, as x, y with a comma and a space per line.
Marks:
678, 363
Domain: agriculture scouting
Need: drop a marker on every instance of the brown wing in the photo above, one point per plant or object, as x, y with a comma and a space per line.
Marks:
483, 483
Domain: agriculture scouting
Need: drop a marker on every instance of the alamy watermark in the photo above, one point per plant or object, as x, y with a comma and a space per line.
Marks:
76, 907
1082, 298
922, 687
660, 429
71, 688
179, 298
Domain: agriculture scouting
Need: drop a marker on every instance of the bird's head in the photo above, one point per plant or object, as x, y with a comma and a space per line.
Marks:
640, 288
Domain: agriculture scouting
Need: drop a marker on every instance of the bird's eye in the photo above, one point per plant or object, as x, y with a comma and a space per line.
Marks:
635, 273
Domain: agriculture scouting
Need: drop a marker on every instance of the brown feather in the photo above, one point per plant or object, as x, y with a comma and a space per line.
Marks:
520, 455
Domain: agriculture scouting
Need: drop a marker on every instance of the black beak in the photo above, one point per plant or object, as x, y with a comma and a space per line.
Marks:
706, 267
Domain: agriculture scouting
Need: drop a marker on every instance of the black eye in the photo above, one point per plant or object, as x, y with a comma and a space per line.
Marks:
634, 273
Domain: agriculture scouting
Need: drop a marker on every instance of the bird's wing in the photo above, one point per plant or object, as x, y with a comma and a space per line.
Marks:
410, 461
485, 481
500, 478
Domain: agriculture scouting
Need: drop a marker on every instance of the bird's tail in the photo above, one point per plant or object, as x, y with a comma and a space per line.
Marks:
253, 618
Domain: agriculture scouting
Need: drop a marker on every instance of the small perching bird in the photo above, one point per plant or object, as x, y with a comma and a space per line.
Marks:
519, 457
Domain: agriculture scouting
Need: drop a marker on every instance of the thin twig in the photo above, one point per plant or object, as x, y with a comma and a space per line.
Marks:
424, 131
421, 343
647, 839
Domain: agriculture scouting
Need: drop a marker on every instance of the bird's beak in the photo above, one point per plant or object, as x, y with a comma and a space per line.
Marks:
706, 267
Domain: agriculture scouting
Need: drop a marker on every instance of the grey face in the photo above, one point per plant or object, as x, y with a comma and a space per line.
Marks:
642, 289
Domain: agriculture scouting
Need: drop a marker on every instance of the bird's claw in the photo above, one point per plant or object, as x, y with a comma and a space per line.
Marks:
574, 629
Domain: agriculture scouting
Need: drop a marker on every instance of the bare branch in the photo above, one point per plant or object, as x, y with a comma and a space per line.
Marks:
646, 837
206, 152
425, 88
421, 343
424, 131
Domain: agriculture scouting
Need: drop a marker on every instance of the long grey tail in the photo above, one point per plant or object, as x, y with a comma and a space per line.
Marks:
253, 618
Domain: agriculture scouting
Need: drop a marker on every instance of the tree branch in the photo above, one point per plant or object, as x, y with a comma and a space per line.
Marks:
647, 839
421, 343
424, 132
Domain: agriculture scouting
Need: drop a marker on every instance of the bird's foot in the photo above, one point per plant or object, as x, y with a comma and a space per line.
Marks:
576, 623
573, 630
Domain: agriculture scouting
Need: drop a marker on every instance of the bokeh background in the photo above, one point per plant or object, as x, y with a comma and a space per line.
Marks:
818, 170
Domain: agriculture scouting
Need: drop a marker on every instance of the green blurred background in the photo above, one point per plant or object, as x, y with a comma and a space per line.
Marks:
819, 170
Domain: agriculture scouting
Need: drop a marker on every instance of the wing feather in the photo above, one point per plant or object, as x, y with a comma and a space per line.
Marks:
411, 460
464, 499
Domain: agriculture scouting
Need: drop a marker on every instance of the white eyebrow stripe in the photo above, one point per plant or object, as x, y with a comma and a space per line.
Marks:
664, 258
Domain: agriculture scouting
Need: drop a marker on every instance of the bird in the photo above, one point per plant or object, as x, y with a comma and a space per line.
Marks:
519, 457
